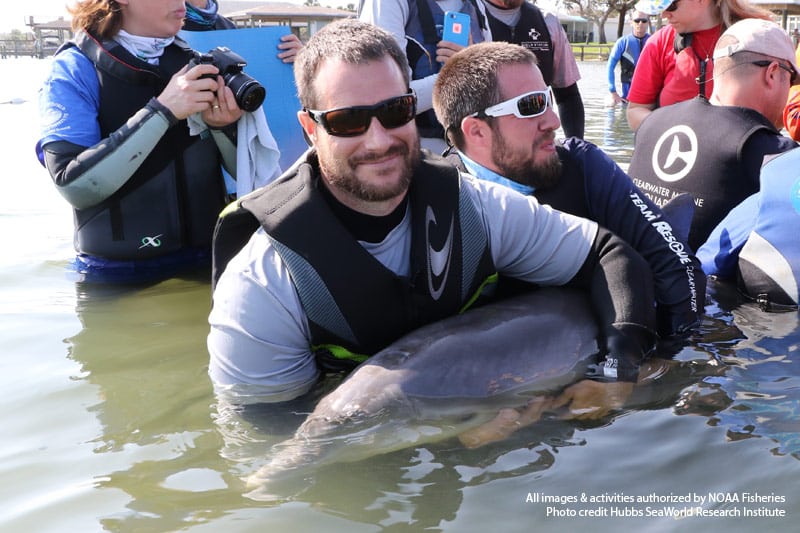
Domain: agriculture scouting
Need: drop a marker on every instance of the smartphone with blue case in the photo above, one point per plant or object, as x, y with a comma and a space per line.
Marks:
456, 28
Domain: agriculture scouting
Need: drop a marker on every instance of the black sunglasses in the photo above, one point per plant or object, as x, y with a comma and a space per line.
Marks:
354, 121
788, 68
640, 21
673, 6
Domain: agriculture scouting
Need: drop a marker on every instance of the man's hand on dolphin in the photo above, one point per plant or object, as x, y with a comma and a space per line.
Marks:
590, 400
586, 400
506, 422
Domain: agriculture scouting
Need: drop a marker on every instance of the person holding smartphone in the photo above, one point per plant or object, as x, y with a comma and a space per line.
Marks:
418, 27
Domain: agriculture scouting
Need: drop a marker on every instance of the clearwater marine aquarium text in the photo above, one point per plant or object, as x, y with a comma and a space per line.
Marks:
685, 505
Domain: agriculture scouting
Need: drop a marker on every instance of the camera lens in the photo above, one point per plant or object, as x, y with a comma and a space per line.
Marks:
248, 92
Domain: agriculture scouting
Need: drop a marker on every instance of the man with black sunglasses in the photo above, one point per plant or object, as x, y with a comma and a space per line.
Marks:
517, 148
626, 53
366, 238
714, 149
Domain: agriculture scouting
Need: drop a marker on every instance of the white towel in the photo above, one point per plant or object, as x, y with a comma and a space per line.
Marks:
257, 153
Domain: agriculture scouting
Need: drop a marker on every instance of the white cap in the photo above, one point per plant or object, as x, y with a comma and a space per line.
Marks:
757, 36
652, 7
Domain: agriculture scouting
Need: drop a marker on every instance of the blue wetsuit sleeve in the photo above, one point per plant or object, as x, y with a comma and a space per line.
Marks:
719, 255
616, 203
613, 59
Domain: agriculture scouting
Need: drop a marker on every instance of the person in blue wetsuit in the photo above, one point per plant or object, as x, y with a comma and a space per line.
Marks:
756, 244
145, 191
513, 143
626, 53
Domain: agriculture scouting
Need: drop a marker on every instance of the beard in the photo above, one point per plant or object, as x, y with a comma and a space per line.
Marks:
342, 174
520, 166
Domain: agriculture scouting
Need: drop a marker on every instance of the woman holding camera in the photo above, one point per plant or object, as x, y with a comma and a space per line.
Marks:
145, 192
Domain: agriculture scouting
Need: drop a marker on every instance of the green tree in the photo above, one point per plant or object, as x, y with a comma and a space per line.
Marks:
622, 7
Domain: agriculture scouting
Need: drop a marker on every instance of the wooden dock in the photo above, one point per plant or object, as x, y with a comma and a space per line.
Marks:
591, 51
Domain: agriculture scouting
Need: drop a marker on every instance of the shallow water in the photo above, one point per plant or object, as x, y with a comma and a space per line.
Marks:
110, 423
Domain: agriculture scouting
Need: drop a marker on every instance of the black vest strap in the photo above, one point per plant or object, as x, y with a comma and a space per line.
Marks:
430, 35
332, 272
531, 19
113, 59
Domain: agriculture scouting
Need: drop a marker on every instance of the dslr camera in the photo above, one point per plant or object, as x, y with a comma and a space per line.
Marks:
248, 92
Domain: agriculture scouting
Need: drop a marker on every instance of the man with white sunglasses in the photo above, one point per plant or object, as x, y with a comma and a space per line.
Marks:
367, 237
513, 143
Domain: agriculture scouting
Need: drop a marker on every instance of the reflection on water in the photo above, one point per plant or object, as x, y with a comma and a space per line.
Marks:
605, 126
759, 393
111, 424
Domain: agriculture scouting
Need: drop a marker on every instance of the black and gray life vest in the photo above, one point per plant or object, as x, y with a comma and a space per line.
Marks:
530, 32
356, 306
670, 158
172, 201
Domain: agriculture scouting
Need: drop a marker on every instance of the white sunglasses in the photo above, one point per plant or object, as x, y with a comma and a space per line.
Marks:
526, 105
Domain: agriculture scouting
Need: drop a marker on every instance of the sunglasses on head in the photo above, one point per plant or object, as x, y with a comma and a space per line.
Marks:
354, 121
673, 6
788, 68
526, 105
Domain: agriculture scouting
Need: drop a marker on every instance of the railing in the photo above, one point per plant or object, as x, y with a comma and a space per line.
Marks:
25, 48
591, 51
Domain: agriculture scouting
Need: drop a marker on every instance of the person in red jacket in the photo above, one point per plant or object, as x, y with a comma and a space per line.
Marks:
676, 63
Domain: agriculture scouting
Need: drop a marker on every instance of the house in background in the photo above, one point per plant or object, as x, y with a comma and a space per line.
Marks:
303, 20
578, 28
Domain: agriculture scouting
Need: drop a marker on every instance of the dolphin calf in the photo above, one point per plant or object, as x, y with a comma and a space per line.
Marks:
443, 379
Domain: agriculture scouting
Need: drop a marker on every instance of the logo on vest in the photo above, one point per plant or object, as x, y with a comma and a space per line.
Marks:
675, 153
438, 260
533, 34
152, 242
